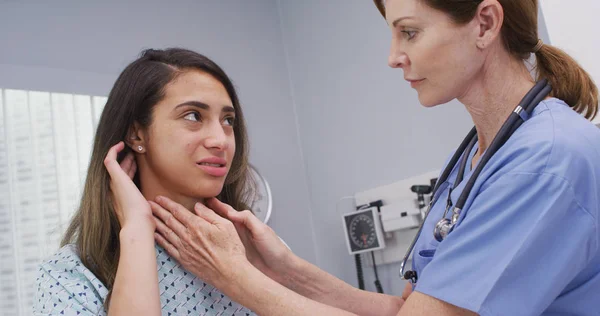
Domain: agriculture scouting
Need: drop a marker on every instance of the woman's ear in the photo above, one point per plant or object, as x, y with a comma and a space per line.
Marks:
490, 18
136, 138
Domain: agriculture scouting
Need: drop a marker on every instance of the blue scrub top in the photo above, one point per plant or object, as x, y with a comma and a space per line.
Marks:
527, 240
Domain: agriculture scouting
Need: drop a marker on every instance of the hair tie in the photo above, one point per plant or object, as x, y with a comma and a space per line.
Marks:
538, 46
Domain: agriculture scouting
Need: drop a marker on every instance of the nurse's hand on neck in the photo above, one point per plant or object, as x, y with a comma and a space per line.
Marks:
258, 271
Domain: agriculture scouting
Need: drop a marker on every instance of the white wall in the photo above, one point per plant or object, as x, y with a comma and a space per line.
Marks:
572, 27
361, 125
81, 46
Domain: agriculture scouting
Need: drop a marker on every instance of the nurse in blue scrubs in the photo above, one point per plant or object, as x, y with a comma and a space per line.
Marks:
515, 224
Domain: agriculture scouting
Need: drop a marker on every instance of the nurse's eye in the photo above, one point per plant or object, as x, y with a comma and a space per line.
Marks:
230, 120
409, 35
193, 116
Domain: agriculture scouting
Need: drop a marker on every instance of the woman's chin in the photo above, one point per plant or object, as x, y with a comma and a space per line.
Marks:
207, 193
428, 99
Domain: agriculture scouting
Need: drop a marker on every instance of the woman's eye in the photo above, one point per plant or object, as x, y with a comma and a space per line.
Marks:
192, 116
409, 34
229, 120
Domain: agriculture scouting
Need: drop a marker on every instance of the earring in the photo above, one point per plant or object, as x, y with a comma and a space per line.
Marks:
140, 148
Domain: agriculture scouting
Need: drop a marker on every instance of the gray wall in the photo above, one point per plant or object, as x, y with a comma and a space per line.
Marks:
361, 124
81, 46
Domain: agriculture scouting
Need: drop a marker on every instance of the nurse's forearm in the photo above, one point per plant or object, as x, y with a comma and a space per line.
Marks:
316, 284
251, 288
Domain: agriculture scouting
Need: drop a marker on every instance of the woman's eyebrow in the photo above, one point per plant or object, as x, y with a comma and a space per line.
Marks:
204, 106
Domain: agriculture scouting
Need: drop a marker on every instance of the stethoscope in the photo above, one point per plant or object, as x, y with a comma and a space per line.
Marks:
445, 226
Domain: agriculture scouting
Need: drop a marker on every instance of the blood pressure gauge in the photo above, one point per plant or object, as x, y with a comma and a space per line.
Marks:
263, 202
363, 231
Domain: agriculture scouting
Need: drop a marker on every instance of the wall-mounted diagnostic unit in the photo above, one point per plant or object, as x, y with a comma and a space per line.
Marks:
363, 230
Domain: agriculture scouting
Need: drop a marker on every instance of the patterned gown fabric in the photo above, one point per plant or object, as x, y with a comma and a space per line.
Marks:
66, 287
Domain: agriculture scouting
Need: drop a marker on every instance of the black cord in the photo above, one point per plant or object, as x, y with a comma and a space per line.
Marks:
531, 99
359, 271
377, 283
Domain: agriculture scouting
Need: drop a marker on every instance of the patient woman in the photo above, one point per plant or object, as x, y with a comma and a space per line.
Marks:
174, 124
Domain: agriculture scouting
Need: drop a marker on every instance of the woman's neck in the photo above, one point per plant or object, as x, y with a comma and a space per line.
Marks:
151, 188
493, 95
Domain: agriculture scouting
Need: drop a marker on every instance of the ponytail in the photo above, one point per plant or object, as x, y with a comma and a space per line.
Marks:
569, 81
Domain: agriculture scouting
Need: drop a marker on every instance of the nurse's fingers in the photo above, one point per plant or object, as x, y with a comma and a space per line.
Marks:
167, 233
407, 291
172, 250
181, 214
222, 209
169, 220
207, 214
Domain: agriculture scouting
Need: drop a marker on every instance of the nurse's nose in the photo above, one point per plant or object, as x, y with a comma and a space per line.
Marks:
398, 57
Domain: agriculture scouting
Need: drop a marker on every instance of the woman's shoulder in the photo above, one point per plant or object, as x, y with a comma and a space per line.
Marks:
66, 286
554, 135
563, 126
67, 256
555, 142
66, 263
570, 141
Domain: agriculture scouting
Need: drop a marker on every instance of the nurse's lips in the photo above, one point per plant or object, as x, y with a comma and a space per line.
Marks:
414, 82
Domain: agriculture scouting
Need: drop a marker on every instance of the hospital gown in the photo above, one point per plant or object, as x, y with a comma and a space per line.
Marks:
66, 287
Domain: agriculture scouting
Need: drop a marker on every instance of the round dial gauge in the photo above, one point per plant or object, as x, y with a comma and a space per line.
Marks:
362, 231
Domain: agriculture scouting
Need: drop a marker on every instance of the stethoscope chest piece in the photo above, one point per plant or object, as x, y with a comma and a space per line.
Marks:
446, 225
442, 228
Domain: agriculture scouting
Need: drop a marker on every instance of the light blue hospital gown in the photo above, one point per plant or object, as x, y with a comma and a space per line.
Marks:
67, 287
527, 241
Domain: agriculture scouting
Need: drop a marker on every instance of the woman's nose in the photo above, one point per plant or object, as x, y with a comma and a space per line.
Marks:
217, 138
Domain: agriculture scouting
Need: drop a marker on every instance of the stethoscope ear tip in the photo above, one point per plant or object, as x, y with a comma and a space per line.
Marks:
411, 276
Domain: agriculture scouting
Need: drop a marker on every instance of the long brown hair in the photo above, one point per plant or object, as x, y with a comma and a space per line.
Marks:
570, 82
95, 228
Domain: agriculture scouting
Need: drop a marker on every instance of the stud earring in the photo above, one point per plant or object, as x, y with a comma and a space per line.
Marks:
140, 148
